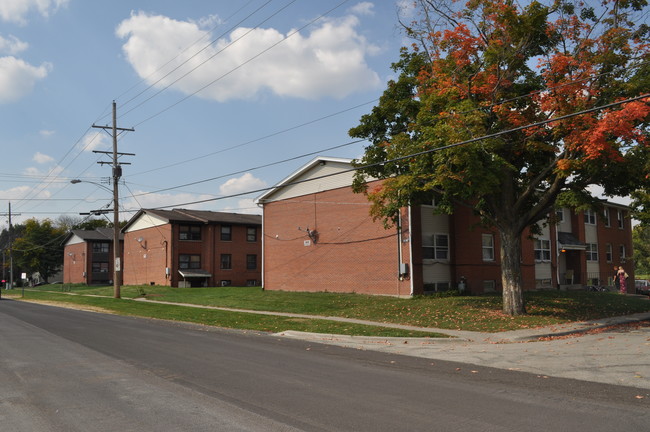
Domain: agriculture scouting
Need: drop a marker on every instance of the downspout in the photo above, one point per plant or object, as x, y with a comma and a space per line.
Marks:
410, 249
557, 257
399, 252
261, 205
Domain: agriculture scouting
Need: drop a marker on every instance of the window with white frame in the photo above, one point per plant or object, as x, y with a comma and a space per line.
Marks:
621, 254
606, 218
619, 216
542, 250
559, 214
592, 252
609, 252
488, 247
436, 247
590, 217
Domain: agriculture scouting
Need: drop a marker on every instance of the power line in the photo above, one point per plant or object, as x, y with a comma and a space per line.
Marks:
240, 65
261, 138
412, 155
252, 169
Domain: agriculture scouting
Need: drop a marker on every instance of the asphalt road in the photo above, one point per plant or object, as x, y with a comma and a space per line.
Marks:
69, 370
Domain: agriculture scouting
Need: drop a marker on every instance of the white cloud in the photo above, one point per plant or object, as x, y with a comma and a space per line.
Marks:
17, 78
94, 141
17, 10
12, 45
245, 183
47, 133
42, 158
246, 206
363, 8
330, 61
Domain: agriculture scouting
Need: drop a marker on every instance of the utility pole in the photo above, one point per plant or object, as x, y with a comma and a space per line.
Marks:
11, 256
117, 173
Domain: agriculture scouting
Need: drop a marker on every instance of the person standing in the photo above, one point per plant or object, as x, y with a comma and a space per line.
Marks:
617, 282
622, 276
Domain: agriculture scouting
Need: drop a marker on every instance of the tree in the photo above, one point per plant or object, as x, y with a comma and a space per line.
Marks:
515, 77
641, 240
39, 249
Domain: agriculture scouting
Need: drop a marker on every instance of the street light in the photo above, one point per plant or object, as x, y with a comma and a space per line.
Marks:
117, 267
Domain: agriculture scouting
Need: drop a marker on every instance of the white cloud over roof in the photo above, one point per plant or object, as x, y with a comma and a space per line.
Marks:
329, 61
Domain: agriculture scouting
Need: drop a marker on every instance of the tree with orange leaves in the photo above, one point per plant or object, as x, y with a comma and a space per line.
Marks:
512, 110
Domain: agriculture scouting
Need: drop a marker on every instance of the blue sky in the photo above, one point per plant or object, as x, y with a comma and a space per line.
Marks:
213, 90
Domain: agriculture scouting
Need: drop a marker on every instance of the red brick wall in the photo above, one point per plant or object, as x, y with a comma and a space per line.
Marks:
616, 237
144, 265
352, 253
74, 263
145, 262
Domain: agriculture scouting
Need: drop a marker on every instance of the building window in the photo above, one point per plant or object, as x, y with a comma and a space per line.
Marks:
609, 253
190, 232
489, 286
251, 262
559, 214
436, 247
590, 217
226, 282
621, 251
592, 252
251, 234
251, 282
186, 261
226, 261
101, 247
488, 247
607, 219
542, 250
100, 267
226, 232
619, 215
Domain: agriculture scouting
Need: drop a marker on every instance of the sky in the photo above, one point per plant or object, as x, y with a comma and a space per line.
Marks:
213, 90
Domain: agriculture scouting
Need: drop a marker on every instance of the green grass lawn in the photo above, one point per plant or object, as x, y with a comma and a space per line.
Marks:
475, 313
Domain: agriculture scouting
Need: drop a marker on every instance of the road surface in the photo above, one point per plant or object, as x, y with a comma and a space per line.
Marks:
70, 370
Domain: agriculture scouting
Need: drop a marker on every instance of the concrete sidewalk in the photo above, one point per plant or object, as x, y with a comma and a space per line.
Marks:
595, 351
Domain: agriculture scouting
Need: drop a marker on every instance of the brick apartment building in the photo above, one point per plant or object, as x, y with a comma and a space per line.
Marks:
88, 256
319, 236
183, 248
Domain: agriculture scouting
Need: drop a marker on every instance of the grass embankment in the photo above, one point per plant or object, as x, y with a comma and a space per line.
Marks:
477, 313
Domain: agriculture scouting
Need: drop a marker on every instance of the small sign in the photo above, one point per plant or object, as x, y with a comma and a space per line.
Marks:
117, 264
307, 243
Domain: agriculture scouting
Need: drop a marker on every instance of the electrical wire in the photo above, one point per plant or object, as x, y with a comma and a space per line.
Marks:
424, 152
241, 65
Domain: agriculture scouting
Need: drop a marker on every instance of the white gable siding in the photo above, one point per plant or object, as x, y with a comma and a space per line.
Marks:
146, 221
322, 184
75, 239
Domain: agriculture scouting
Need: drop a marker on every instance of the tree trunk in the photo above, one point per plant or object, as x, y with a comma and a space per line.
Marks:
513, 299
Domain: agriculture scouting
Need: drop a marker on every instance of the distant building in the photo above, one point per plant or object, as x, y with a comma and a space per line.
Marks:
183, 248
88, 256
319, 236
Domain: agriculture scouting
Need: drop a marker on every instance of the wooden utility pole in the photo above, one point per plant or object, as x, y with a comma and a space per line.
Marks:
117, 173
11, 256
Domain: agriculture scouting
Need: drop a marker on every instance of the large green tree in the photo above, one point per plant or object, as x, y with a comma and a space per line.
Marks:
39, 248
513, 75
641, 240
